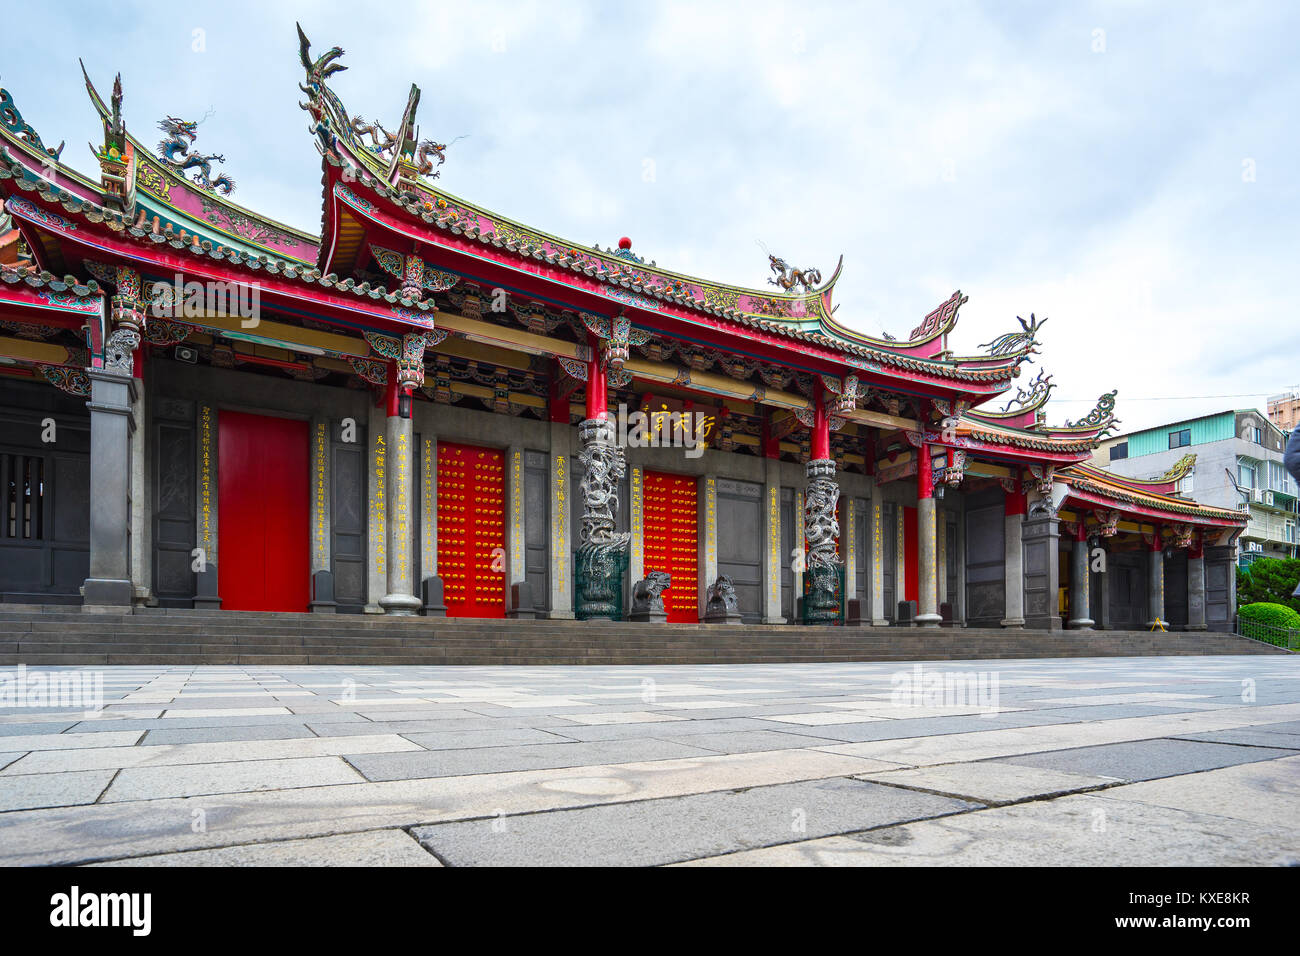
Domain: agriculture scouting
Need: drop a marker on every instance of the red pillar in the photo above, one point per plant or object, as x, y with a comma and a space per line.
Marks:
924, 473
821, 430
597, 390
1016, 501
392, 400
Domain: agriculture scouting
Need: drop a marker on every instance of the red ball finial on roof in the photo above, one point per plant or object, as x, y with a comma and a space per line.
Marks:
625, 243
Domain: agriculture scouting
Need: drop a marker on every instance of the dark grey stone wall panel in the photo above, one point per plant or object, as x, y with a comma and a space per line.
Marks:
986, 597
174, 505
537, 519
740, 542
349, 515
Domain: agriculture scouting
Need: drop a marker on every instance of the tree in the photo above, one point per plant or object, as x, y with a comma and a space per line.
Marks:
1269, 580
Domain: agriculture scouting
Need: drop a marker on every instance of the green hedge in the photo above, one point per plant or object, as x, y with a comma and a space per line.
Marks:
1269, 580
1259, 621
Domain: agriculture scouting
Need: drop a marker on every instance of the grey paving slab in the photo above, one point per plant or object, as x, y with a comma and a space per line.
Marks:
1098, 830
679, 728
648, 833
492, 760
1247, 738
475, 739
29, 791
198, 735
7, 759
44, 727
991, 782
1146, 759
748, 741
375, 848
154, 783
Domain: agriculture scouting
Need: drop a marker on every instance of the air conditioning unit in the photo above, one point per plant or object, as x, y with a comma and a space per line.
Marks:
1268, 498
1256, 495
1254, 546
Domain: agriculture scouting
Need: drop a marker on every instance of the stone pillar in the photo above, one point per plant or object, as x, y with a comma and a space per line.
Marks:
428, 506
516, 545
1196, 585
560, 605
377, 518
1014, 554
1101, 613
706, 506
141, 503
636, 521
1080, 599
927, 591
113, 395
322, 599
112, 390
1040, 536
850, 549
205, 518
400, 598
878, 545
772, 543
1156, 579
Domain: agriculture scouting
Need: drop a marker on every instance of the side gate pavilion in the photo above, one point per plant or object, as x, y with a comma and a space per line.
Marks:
418, 409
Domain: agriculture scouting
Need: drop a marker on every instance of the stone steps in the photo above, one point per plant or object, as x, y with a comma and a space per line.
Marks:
47, 636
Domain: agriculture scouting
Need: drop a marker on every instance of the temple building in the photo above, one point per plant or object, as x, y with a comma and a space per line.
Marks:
431, 409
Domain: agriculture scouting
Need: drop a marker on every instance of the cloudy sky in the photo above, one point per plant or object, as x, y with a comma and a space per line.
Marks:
1128, 170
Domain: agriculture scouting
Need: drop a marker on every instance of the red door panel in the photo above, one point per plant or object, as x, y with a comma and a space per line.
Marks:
913, 556
263, 561
671, 541
472, 530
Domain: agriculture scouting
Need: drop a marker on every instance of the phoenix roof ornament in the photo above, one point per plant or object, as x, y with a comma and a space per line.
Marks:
1022, 341
323, 67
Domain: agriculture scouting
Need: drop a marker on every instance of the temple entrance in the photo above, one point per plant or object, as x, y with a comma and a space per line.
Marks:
472, 530
671, 541
263, 561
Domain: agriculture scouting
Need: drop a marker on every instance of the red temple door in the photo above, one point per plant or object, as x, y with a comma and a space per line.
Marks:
263, 527
672, 541
472, 530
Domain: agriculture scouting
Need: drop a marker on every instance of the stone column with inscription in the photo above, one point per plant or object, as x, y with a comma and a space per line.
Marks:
878, 545
400, 598
377, 519
926, 538
561, 554
322, 599
772, 542
206, 596
706, 503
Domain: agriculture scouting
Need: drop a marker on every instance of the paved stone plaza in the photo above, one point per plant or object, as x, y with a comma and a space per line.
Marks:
1136, 761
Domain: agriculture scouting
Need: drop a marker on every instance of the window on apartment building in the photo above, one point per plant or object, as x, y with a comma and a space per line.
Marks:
1119, 451
1246, 475
1180, 438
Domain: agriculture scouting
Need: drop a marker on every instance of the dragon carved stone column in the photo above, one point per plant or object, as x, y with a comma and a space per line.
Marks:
113, 395
822, 582
602, 551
